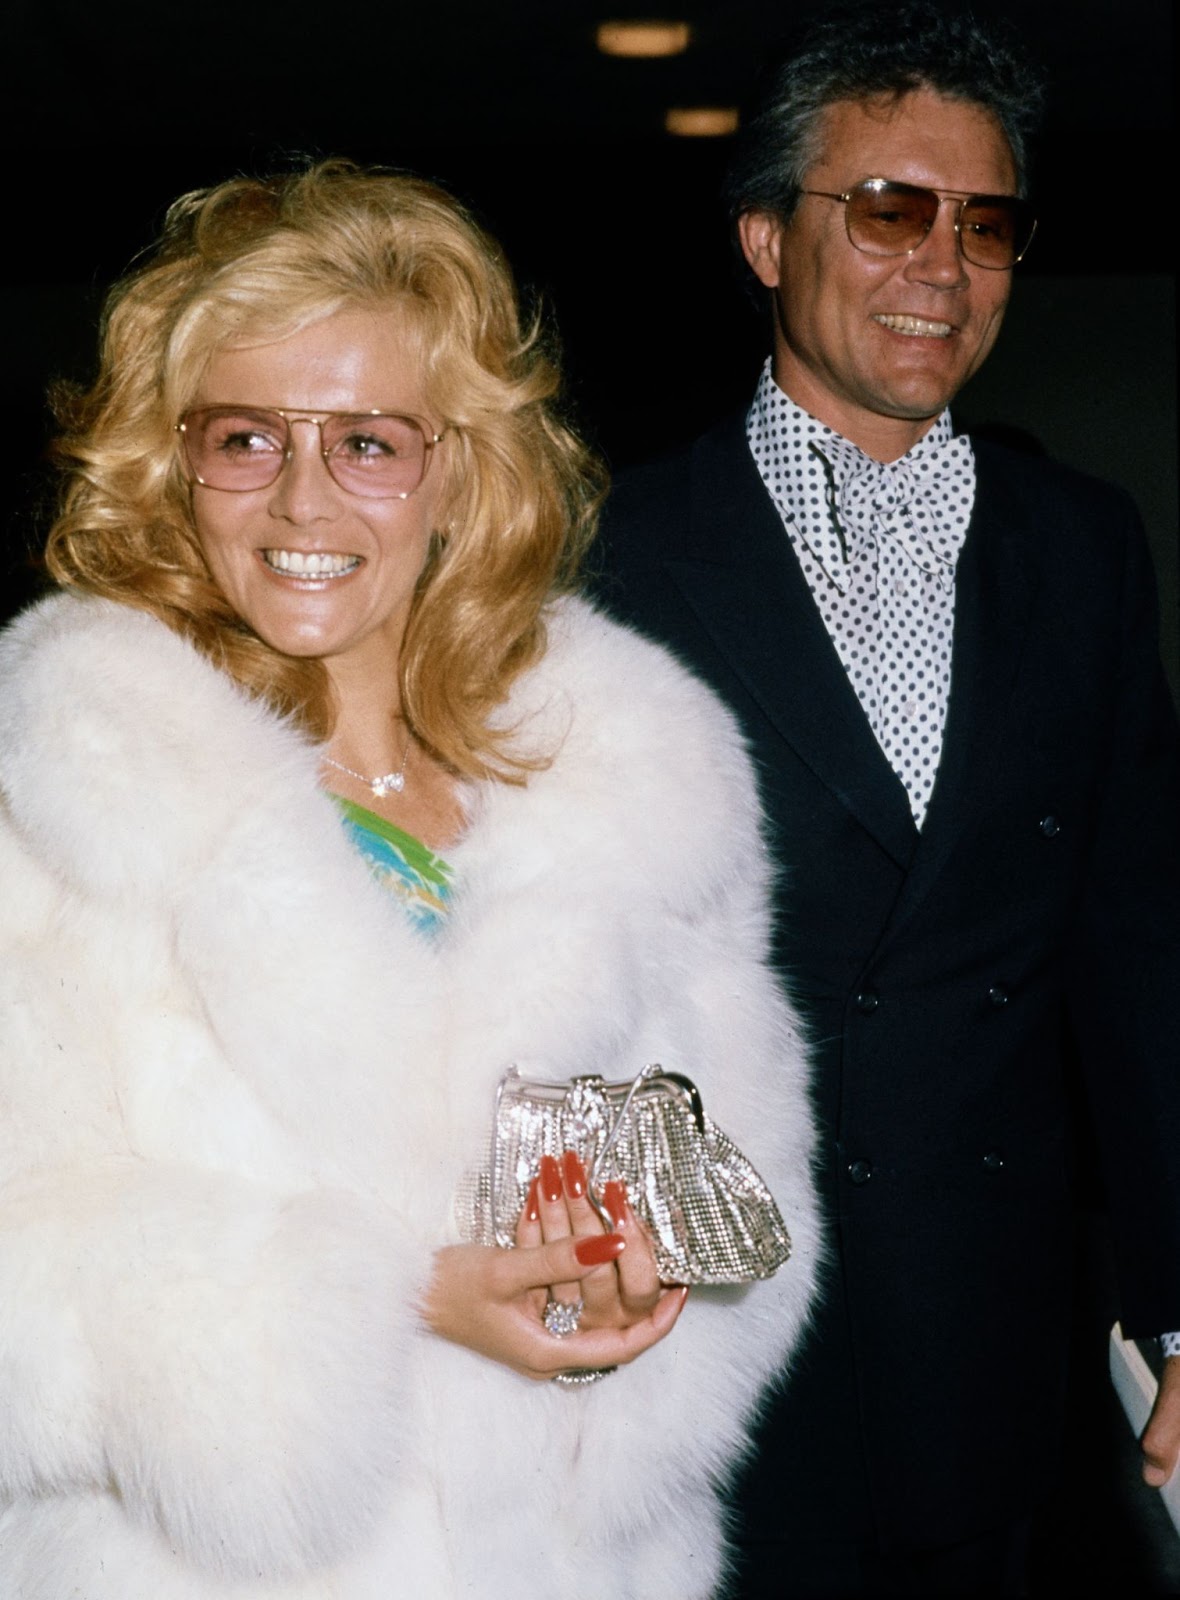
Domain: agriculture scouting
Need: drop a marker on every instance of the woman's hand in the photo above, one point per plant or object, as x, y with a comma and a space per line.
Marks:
557, 1208
493, 1300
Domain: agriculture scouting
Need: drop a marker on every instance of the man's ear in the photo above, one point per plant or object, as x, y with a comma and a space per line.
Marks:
760, 234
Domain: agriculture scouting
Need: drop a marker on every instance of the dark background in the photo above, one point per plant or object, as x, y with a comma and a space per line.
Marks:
110, 111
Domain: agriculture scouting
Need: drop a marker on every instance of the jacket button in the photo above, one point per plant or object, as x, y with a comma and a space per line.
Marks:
860, 1171
867, 1002
1050, 827
993, 1161
998, 995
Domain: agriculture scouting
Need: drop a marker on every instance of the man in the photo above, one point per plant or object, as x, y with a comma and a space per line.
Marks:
944, 656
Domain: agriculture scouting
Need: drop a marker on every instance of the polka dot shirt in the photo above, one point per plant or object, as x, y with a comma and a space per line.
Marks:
877, 543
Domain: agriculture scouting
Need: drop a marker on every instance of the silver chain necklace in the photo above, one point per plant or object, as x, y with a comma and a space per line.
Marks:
384, 782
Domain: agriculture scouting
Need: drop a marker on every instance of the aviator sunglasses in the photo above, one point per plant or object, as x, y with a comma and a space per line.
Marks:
884, 218
379, 454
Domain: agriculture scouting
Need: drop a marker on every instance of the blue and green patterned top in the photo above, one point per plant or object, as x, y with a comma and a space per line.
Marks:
414, 875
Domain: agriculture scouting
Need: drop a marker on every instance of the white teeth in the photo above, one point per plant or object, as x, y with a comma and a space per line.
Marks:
915, 325
311, 563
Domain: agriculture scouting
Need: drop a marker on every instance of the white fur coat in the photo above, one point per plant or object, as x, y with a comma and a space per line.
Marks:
237, 1091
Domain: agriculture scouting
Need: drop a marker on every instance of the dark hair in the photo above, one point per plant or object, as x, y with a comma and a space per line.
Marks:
860, 52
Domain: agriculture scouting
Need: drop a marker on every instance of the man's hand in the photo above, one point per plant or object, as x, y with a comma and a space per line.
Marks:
1161, 1437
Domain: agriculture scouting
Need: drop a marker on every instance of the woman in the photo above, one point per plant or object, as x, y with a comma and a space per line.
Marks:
324, 801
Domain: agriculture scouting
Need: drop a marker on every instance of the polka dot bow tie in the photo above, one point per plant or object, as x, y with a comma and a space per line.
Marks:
907, 500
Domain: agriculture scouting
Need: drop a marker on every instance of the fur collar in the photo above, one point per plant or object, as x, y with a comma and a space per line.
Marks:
109, 718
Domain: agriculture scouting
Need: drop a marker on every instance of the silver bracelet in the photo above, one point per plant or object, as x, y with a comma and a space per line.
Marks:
579, 1377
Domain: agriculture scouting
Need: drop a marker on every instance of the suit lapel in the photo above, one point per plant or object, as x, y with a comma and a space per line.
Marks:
747, 590
994, 591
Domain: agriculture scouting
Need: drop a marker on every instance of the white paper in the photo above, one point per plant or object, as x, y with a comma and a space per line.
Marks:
1135, 1384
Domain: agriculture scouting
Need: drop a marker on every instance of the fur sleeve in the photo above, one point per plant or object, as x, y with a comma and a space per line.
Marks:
227, 1352
627, 921
230, 1362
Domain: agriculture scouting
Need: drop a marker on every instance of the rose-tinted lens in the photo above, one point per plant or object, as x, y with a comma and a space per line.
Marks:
995, 230
889, 219
382, 456
232, 448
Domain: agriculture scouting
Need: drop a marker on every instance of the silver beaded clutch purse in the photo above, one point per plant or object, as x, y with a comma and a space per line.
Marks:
710, 1216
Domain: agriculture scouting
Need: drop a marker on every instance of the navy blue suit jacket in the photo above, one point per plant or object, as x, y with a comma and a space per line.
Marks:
956, 981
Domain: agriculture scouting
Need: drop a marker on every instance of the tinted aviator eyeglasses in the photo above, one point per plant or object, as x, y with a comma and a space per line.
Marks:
379, 454
884, 218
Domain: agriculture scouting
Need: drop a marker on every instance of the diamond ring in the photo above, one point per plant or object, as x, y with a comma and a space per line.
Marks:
561, 1318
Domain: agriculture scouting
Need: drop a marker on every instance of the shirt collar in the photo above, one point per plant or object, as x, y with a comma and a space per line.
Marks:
824, 486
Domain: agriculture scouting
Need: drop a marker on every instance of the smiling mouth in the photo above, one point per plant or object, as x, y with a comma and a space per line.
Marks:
310, 563
917, 327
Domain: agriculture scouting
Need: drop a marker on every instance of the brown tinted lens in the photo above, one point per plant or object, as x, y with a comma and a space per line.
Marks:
995, 230
889, 219
233, 448
381, 456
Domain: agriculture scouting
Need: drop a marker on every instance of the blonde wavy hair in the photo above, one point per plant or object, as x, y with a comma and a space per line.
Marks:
258, 260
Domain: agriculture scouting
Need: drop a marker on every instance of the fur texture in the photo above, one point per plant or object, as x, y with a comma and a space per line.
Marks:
237, 1092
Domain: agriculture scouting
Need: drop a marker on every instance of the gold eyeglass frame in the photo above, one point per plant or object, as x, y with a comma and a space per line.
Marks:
317, 419
941, 195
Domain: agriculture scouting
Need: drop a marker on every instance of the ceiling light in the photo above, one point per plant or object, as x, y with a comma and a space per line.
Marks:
648, 38
701, 122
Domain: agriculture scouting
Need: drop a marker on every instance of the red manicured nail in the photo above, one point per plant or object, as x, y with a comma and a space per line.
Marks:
598, 1249
614, 1198
550, 1179
575, 1175
532, 1211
